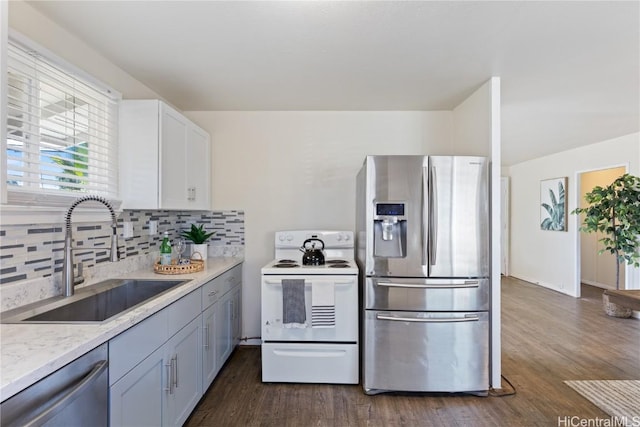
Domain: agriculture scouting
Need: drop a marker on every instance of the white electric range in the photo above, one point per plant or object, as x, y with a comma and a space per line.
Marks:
310, 312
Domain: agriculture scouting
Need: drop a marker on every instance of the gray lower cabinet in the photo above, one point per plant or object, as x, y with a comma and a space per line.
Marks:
210, 366
160, 368
185, 385
221, 322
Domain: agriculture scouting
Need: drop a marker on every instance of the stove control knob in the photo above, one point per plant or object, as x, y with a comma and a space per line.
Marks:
281, 238
339, 237
346, 237
289, 237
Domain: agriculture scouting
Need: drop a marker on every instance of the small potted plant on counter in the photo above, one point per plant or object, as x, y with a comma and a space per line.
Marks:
198, 236
614, 210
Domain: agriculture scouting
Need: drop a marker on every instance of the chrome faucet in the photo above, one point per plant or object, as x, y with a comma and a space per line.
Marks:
68, 278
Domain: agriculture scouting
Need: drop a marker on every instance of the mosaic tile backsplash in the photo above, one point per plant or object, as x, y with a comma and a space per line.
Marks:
36, 251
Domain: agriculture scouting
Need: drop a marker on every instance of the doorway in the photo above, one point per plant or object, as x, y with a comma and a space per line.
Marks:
596, 269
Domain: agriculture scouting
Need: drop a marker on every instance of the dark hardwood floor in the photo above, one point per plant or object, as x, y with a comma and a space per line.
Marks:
547, 337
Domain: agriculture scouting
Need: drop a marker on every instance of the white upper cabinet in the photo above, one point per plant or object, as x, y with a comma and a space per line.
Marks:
164, 158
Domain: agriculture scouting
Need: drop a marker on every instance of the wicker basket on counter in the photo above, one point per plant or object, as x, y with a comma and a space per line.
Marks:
194, 266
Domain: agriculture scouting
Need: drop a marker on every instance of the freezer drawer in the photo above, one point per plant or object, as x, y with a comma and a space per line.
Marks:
427, 352
427, 294
310, 363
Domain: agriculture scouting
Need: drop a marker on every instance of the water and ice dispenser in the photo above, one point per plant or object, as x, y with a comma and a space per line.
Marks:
389, 230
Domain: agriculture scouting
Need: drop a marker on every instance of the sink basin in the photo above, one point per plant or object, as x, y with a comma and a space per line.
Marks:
96, 303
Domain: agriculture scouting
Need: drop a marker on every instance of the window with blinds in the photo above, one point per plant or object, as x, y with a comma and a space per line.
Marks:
61, 132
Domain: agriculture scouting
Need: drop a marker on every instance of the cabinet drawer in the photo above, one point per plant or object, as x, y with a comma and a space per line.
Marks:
231, 278
183, 311
216, 288
211, 292
132, 346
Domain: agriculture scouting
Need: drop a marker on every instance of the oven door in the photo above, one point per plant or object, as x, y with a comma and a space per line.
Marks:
345, 299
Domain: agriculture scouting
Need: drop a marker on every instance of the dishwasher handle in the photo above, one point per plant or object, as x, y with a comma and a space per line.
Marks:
69, 396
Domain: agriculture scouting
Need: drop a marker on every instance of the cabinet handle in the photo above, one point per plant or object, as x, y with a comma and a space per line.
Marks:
174, 361
213, 293
206, 336
169, 367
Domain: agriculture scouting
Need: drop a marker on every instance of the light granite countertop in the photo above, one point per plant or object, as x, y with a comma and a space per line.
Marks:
29, 352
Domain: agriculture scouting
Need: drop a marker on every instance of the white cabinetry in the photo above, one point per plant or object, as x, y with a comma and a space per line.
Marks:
164, 158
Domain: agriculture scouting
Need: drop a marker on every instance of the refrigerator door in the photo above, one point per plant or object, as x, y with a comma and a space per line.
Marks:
427, 352
458, 216
392, 187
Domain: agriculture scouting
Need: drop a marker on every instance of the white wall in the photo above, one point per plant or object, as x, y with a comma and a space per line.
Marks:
476, 128
549, 258
42, 30
297, 170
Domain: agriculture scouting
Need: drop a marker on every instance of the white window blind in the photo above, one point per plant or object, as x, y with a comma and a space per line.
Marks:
61, 132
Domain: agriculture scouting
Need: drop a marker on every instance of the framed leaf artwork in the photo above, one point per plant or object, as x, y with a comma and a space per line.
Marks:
553, 204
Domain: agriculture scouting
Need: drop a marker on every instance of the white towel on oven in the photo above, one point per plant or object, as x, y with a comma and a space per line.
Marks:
323, 305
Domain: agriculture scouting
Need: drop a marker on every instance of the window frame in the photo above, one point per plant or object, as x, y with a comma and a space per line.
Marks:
36, 203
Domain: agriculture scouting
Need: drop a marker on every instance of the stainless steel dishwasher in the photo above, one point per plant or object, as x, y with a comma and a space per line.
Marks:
75, 395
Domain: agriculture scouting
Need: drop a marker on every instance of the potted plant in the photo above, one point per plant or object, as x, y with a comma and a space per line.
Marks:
615, 211
198, 236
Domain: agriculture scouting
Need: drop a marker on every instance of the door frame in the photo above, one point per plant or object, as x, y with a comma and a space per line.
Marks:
576, 198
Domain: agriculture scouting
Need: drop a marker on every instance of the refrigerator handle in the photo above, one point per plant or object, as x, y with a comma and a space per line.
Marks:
433, 216
425, 217
428, 320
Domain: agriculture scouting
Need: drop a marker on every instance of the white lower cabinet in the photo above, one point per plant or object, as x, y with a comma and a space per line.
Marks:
160, 368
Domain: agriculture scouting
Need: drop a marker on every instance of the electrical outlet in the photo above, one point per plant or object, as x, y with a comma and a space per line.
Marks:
153, 228
127, 229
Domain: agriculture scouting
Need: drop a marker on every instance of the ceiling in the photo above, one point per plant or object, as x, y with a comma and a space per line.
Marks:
570, 71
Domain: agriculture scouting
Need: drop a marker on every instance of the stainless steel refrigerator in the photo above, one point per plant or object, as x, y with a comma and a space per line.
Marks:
423, 249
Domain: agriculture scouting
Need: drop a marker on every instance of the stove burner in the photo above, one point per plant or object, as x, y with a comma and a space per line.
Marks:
286, 261
285, 265
337, 261
339, 265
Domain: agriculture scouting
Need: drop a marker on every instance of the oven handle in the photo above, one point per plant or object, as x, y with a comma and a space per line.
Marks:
337, 282
466, 284
310, 353
430, 320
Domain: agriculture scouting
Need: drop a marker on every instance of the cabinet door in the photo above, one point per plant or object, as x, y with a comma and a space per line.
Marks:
173, 159
198, 165
224, 328
185, 390
237, 314
137, 398
209, 363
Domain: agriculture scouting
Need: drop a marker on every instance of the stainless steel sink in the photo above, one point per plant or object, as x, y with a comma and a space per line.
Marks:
96, 303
